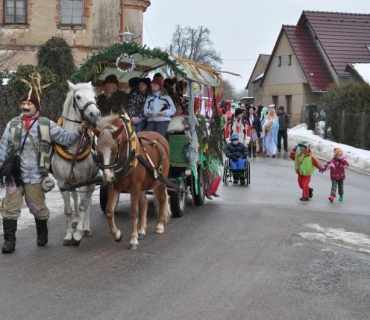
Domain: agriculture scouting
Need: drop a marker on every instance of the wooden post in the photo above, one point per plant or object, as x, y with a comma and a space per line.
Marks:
342, 124
363, 121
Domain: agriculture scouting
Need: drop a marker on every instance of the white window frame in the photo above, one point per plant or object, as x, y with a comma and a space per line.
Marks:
71, 12
13, 9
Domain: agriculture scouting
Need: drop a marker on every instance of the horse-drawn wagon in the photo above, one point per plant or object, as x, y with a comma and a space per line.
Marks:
195, 139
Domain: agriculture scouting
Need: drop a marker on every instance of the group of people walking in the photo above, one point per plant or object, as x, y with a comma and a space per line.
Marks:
266, 128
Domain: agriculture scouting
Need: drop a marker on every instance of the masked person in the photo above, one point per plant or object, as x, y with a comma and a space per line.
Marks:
30, 137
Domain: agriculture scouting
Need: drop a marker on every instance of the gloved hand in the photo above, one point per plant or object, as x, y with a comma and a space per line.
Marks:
322, 170
345, 167
258, 134
244, 156
295, 148
135, 120
234, 158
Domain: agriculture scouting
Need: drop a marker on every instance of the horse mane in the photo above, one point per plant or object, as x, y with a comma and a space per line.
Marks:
106, 126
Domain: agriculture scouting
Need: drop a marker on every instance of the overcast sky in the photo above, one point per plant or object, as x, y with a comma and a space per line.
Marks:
240, 29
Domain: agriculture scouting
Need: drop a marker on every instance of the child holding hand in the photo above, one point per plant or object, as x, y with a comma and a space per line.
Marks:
337, 166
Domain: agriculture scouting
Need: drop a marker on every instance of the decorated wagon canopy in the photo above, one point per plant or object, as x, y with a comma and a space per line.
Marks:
128, 60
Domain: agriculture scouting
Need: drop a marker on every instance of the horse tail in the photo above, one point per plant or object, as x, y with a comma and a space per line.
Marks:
157, 193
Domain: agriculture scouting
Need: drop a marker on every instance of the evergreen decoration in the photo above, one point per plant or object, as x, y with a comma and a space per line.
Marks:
56, 55
97, 62
128, 70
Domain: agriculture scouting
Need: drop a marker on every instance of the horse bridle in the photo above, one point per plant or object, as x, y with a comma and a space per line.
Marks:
82, 109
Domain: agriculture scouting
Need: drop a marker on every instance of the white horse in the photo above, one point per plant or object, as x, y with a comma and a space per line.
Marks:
79, 106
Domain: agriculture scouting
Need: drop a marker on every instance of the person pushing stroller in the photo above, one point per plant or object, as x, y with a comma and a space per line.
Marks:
237, 152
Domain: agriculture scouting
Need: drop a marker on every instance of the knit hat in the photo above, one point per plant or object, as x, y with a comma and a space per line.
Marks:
134, 82
281, 108
158, 81
234, 137
304, 144
111, 79
336, 150
146, 81
238, 111
32, 97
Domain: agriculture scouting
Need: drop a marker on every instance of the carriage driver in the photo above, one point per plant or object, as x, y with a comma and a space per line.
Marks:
113, 100
29, 136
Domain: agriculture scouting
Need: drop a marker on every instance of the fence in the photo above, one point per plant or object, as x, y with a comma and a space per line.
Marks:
343, 127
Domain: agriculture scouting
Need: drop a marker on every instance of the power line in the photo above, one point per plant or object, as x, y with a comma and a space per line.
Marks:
146, 28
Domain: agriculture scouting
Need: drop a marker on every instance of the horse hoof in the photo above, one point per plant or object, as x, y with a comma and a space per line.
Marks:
75, 242
74, 224
133, 246
141, 236
159, 230
67, 243
119, 238
86, 233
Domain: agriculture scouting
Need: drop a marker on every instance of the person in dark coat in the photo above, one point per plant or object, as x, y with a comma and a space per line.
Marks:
237, 152
284, 123
254, 124
112, 101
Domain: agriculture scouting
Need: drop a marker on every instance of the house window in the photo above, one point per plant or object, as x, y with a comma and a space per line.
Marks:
15, 11
368, 47
288, 103
290, 60
71, 12
275, 101
279, 62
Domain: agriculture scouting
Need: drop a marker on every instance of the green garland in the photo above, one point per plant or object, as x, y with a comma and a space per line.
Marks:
97, 62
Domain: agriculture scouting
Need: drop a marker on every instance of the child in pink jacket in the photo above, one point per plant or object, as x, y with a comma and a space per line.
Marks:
337, 166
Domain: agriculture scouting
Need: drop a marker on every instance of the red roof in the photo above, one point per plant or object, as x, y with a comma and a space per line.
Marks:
308, 55
343, 36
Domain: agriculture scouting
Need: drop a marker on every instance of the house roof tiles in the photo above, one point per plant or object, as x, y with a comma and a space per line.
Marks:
343, 36
308, 56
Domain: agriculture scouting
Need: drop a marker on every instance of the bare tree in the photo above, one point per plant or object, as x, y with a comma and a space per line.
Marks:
9, 59
195, 44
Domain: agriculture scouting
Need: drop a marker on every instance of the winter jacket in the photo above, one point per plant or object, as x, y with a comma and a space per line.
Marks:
256, 122
157, 103
30, 172
238, 150
116, 103
136, 100
238, 126
284, 121
336, 168
304, 163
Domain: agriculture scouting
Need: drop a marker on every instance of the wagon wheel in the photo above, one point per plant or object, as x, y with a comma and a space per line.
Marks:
178, 200
199, 198
225, 176
103, 197
248, 173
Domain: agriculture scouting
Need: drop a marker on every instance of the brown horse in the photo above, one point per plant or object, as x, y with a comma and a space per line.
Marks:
132, 162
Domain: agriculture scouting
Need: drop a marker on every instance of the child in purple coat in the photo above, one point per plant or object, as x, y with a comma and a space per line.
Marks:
337, 166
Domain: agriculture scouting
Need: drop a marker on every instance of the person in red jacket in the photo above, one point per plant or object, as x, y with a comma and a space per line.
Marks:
304, 166
337, 166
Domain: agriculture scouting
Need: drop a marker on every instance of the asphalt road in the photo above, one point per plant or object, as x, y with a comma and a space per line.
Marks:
240, 256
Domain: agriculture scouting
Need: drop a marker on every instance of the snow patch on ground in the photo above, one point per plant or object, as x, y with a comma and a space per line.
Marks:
338, 237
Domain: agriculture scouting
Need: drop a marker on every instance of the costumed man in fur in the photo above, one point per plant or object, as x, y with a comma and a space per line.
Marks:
337, 173
304, 166
238, 125
254, 124
30, 137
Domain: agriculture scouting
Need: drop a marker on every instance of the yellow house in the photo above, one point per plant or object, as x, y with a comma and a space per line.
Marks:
86, 25
310, 56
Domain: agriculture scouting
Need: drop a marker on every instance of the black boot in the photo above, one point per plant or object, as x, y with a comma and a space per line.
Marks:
249, 152
254, 151
42, 232
9, 227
